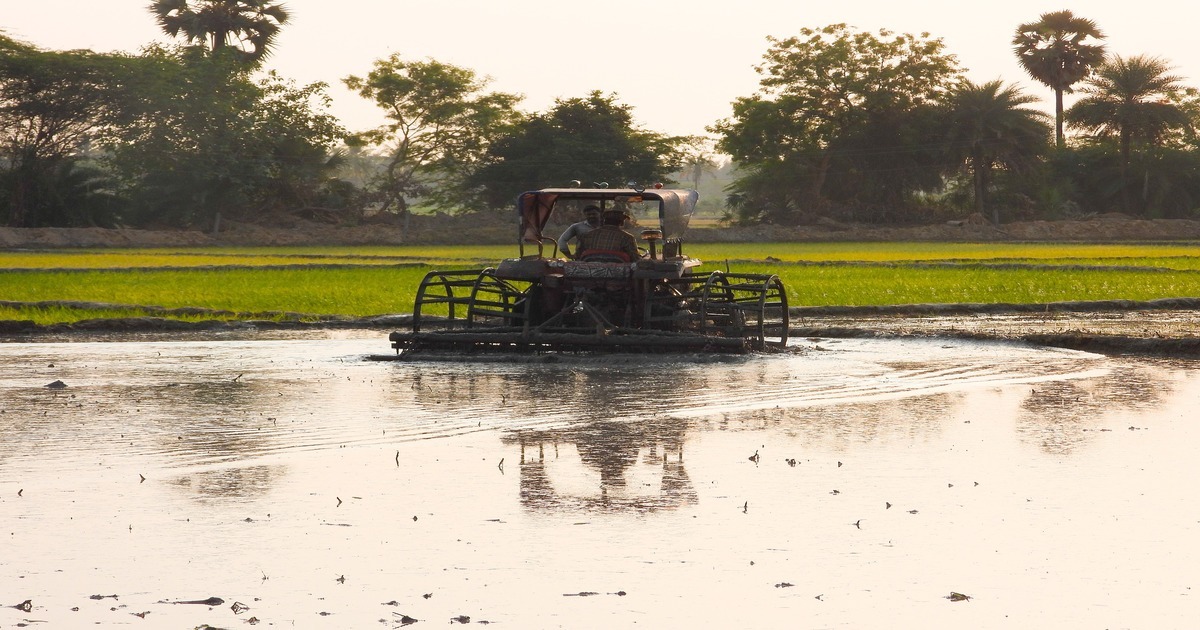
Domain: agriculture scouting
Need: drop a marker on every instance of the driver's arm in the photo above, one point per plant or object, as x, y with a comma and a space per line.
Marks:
565, 239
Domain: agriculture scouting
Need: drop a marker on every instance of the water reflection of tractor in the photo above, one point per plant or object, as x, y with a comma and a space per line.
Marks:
602, 298
614, 467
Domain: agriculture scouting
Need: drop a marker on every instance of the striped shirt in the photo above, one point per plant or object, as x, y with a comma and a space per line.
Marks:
611, 238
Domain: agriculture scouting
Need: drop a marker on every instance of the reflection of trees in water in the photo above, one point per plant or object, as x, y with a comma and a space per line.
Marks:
226, 484
1061, 415
611, 449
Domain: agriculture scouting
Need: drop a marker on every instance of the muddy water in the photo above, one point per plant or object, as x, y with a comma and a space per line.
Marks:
852, 484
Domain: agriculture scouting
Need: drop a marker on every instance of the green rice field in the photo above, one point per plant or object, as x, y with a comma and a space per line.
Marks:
320, 282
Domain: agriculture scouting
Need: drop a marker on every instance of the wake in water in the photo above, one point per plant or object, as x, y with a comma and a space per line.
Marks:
212, 402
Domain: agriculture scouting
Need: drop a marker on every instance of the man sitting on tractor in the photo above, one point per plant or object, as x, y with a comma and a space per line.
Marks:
591, 221
609, 243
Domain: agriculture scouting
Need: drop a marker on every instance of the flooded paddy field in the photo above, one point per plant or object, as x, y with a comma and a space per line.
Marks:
851, 483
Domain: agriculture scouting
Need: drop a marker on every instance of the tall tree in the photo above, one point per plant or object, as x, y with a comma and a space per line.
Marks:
247, 28
204, 141
989, 126
592, 139
1059, 50
440, 122
1135, 101
821, 89
699, 159
53, 107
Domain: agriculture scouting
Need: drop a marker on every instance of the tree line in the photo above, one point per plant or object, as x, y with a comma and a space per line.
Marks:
846, 124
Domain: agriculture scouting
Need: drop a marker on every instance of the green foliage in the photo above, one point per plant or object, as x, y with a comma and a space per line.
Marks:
245, 29
440, 122
294, 124
989, 126
1135, 102
187, 152
53, 106
591, 140
202, 139
837, 104
815, 274
359, 291
856, 285
1159, 183
72, 194
1059, 50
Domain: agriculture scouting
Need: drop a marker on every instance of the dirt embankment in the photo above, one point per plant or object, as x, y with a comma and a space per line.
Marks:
497, 229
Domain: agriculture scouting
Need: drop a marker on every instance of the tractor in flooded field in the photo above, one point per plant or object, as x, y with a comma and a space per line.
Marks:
616, 292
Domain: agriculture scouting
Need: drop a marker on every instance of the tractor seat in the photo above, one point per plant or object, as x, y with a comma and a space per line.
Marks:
604, 256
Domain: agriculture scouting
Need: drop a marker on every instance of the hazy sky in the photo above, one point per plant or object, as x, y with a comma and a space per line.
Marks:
679, 64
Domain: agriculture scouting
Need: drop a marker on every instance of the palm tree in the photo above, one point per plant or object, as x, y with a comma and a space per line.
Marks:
245, 27
1058, 52
1130, 100
990, 126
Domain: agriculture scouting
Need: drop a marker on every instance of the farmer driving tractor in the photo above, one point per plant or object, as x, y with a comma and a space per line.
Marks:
609, 242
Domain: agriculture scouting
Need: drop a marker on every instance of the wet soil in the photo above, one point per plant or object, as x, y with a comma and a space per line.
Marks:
1169, 327
852, 482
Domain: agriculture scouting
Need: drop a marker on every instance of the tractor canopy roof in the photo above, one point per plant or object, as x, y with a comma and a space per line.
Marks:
669, 208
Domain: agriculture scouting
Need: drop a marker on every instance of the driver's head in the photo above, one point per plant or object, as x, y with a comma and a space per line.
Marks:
612, 216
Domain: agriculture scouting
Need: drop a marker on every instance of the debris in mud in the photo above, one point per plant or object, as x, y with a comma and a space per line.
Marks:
784, 585
460, 619
211, 601
958, 597
754, 457
56, 385
791, 462
405, 620
25, 606
581, 594
239, 608
100, 597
